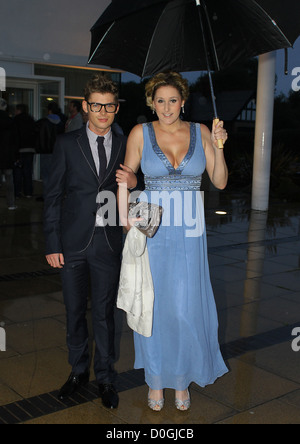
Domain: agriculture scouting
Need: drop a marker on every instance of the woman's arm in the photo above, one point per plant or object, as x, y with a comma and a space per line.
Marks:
134, 149
215, 160
134, 152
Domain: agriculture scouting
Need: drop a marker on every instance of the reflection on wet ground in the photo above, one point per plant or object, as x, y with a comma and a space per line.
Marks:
255, 270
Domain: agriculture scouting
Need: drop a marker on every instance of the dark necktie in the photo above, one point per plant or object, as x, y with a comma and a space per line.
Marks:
102, 158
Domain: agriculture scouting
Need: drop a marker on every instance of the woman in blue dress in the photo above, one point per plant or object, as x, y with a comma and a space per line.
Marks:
173, 154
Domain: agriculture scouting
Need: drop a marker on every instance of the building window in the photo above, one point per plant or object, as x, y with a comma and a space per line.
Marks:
249, 112
75, 78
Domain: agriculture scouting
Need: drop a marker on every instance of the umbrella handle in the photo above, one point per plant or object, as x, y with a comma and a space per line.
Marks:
220, 141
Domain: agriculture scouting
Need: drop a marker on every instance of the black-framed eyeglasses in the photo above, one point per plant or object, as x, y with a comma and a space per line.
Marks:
109, 107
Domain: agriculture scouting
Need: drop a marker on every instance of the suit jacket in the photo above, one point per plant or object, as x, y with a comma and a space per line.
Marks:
71, 194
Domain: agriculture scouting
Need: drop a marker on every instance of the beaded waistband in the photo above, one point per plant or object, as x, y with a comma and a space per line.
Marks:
173, 183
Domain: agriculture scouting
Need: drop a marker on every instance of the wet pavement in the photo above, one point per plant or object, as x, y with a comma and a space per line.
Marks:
255, 270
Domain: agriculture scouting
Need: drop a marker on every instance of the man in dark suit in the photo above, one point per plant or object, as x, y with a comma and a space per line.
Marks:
82, 239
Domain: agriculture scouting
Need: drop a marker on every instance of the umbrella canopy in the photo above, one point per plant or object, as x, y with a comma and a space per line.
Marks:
145, 37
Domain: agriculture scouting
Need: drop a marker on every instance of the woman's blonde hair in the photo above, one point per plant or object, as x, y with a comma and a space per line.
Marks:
166, 79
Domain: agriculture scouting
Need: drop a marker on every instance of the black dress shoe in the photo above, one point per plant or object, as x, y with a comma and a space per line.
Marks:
109, 395
73, 384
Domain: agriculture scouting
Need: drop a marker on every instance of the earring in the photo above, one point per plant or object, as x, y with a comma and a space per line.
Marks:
153, 110
183, 110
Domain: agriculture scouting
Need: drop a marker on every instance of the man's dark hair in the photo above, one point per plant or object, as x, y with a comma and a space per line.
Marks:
77, 105
53, 107
100, 83
22, 108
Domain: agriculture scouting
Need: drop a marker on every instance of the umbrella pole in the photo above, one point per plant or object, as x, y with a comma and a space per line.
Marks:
212, 90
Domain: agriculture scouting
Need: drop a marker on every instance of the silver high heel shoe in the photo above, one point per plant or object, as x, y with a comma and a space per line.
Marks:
154, 405
183, 406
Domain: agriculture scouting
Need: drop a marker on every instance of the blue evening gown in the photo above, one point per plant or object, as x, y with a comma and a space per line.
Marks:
184, 346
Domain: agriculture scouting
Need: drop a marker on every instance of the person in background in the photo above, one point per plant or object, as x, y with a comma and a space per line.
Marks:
7, 155
48, 129
75, 120
24, 140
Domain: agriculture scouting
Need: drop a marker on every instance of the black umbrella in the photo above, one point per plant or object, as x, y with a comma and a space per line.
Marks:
145, 37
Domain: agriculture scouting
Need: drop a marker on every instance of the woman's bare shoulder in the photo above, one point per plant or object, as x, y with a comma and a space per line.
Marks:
137, 131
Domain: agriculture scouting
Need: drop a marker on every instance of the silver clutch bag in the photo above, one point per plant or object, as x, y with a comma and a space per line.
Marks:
151, 215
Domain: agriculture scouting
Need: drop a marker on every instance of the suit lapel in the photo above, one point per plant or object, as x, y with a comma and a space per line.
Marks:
115, 150
85, 148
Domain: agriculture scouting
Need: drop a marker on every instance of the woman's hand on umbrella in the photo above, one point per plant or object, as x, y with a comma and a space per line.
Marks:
218, 133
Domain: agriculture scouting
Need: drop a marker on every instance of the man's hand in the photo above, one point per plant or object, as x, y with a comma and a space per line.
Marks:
126, 175
56, 260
